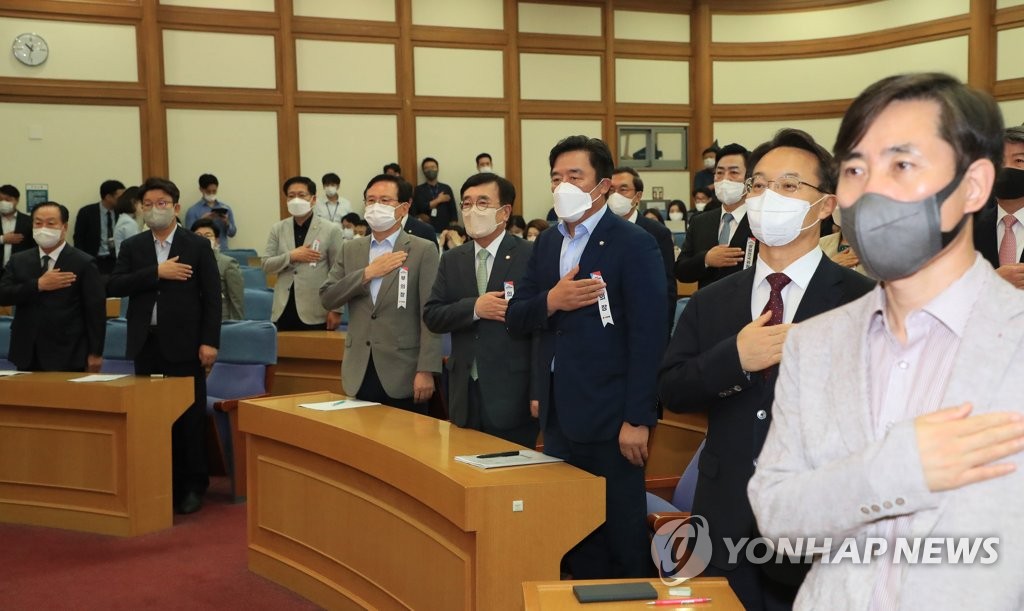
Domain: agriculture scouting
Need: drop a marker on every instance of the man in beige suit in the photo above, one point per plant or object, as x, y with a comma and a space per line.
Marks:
898, 419
301, 250
385, 278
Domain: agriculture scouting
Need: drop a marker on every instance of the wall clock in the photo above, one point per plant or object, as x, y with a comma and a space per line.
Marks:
30, 49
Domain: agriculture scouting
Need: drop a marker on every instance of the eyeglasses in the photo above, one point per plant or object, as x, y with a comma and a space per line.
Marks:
387, 201
481, 204
162, 203
786, 184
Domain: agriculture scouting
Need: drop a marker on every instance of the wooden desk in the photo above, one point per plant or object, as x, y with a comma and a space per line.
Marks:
309, 361
685, 289
367, 508
94, 457
673, 443
558, 596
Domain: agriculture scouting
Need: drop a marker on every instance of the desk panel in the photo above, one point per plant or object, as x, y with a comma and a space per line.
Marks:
309, 361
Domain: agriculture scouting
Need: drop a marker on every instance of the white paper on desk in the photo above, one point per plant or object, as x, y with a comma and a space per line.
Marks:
6, 373
100, 377
525, 457
330, 406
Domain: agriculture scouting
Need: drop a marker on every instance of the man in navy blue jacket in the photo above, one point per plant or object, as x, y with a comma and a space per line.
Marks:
594, 293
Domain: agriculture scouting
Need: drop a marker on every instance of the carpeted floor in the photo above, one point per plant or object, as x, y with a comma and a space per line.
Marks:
200, 563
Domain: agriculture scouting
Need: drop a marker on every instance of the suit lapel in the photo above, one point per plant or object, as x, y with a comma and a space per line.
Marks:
739, 303
314, 229
821, 294
596, 245
496, 281
177, 244
402, 242
465, 262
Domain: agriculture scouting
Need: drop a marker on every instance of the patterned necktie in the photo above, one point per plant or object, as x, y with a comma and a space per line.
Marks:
777, 282
481, 288
1008, 248
723, 235
46, 264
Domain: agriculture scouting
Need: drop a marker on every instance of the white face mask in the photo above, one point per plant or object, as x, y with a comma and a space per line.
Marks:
571, 202
214, 244
729, 191
210, 197
700, 206
348, 233
485, 169
835, 217
531, 238
299, 207
776, 220
480, 223
46, 237
380, 217
158, 218
6, 207
331, 191
709, 162
619, 204
675, 216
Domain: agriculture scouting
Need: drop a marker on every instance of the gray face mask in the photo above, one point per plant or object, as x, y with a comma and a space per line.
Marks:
894, 239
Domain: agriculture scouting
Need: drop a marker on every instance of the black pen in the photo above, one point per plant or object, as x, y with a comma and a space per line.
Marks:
500, 454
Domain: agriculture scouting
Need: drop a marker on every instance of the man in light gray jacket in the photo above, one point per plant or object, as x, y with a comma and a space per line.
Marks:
898, 419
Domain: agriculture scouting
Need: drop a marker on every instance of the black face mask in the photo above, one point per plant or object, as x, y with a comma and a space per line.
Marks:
1009, 184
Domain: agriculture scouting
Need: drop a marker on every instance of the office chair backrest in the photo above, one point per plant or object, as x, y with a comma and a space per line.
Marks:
259, 303
115, 346
682, 498
242, 255
253, 277
5, 341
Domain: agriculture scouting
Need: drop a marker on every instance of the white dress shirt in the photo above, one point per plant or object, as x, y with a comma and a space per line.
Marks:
53, 256
737, 216
799, 272
1018, 229
333, 211
6, 226
377, 249
163, 250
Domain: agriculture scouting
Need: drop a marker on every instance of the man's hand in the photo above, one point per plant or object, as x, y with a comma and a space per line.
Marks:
847, 258
759, 346
441, 198
491, 306
13, 237
633, 443
1011, 272
571, 294
207, 355
93, 363
333, 320
209, 214
422, 386
303, 254
54, 280
384, 265
535, 408
172, 270
957, 450
723, 256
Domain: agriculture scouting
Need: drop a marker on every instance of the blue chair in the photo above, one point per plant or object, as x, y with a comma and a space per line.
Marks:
115, 347
253, 277
259, 303
242, 255
680, 306
124, 308
244, 370
661, 512
5, 342
679, 238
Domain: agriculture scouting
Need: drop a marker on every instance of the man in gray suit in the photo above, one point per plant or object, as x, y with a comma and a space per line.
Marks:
301, 250
905, 441
385, 278
489, 369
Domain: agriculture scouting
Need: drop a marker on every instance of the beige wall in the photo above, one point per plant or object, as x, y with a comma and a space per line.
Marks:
343, 66
559, 77
242, 5
468, 73
475, 14
345, 9
538, 18
219, 60
455, 142
539, 136
641, 25
752, 133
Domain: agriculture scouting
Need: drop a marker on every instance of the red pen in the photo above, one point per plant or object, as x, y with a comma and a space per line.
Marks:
679, 601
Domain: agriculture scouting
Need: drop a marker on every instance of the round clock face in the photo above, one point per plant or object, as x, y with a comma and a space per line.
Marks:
30, 49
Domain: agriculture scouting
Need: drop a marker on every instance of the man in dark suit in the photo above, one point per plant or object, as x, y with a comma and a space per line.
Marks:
174, 313
724, 355
999, 229
94, 227
416, 227
15, 226
627, 191
433, 201
716, 241
594, 294
61, 313
489, 369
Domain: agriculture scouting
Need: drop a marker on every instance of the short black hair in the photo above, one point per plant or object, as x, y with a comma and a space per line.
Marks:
656, 213
714, 148
1012, 134
361, 223
200, 223
734, 149
506, 190
205, 180
394, 167
309, 184
11, 191
599, 153
162, 184
677, 203
799, 139
403, 186
969, 119
351, 217
126, 203
481, 156
705, 190
65, 216
428, 159
110, 187
331, 178
638, 183
516, 220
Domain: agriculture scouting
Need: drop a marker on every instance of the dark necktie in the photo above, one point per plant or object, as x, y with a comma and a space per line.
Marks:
110, 224
45, 267
777, 282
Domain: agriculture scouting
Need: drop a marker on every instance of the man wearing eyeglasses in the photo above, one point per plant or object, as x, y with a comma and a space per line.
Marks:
385, 278
171, 279
489, 369
724, 356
